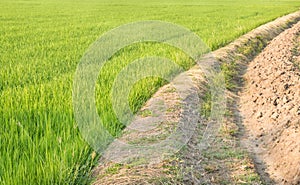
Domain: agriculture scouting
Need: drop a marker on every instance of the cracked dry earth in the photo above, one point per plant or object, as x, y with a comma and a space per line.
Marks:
270, 109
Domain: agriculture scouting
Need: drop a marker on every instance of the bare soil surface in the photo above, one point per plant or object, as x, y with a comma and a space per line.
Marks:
225, 161
270, 106
268, 100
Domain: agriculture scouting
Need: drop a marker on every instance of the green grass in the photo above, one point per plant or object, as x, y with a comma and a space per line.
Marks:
41, 43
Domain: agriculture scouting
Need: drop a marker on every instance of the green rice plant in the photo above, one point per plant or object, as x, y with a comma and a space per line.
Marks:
41, 43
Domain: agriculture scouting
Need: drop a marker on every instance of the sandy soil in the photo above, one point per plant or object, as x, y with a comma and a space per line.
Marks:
270, 106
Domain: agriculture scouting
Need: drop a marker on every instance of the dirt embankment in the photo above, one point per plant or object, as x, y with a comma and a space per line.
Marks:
223, 160
270, 106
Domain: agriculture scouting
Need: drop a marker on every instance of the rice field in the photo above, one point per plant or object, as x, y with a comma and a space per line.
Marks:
41, 44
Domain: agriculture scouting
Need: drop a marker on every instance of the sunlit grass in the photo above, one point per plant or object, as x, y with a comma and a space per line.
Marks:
41, 43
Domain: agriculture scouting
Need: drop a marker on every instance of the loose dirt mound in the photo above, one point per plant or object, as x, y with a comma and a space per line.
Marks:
270, 105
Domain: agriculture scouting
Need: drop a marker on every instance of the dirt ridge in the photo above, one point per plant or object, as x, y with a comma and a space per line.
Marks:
240, 52
236, 56
270, 105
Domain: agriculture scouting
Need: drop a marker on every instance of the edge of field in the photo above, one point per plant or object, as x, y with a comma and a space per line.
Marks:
224, 160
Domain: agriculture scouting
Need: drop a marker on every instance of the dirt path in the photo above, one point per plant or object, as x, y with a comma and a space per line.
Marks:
270, 107
272, 129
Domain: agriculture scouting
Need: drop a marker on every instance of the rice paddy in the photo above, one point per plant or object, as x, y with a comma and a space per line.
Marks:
41, 44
